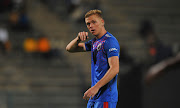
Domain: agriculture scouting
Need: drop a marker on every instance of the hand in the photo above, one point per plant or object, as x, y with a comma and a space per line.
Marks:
83, 36
90, 93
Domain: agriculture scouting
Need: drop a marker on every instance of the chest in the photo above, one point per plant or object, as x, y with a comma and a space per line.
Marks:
98, 46
98, 51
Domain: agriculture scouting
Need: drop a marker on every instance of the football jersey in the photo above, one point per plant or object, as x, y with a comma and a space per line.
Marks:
102, 49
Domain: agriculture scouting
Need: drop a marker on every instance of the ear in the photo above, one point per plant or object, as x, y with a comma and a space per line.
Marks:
102, 21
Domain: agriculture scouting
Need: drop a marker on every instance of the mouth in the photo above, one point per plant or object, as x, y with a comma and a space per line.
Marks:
92, 30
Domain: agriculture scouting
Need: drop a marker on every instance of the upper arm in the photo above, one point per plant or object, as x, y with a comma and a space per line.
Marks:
112, 50
111, 47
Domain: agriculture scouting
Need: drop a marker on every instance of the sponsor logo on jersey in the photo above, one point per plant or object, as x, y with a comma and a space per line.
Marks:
107, 35
112, 49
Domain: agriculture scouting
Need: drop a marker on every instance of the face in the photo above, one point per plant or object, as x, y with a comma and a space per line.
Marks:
95, 24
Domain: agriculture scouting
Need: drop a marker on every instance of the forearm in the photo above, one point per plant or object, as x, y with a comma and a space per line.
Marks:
111, 73
73, 46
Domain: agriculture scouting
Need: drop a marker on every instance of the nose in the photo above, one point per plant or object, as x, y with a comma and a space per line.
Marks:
91, 25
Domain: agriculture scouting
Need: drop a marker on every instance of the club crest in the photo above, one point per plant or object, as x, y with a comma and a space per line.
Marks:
99, 46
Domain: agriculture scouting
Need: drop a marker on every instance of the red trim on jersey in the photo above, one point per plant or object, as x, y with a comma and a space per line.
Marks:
105, 105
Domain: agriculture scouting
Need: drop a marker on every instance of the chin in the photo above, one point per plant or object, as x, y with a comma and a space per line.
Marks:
95, 34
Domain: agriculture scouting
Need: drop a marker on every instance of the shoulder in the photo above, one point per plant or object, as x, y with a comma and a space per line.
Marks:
110, 39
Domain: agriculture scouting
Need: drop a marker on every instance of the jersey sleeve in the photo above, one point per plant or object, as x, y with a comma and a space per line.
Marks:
88, 45
111, 47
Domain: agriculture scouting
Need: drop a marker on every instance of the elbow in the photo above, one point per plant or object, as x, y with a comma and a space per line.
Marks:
68, 49
116, 70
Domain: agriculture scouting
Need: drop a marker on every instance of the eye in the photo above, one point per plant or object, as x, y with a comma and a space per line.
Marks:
93, 21
87, 24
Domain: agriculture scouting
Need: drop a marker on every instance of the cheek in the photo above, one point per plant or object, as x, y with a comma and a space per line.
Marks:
88, 27
99, 26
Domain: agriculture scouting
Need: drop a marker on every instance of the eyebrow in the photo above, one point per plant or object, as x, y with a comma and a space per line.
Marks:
91, 21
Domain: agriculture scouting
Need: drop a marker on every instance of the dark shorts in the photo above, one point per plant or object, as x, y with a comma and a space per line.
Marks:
101, 104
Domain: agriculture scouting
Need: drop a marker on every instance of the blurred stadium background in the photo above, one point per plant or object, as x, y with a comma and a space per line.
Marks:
37, 72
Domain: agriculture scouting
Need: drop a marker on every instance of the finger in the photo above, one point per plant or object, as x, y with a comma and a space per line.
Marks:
81, 37
92, 96
84, 36
79, 34
87, 35
85, 95
89, 96
85, 98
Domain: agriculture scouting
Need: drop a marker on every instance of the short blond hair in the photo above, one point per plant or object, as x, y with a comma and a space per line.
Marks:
94, 12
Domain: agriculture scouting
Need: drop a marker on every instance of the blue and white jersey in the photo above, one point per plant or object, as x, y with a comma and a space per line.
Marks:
102, 49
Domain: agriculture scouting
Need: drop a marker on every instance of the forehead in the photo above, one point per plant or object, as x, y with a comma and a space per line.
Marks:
92, 17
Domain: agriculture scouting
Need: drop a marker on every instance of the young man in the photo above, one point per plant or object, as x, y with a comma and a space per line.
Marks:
105, 61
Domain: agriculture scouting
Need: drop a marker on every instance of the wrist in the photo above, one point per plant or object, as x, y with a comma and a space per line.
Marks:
78, 39
97, 85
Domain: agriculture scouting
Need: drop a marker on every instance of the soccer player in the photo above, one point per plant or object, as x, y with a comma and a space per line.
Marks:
104, 64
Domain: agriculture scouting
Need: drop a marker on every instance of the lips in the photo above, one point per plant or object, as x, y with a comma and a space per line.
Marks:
93, 30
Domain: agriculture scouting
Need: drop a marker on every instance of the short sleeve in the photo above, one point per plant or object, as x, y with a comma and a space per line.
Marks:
88, 45
111, 47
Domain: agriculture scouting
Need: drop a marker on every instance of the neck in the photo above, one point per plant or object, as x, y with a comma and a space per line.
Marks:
103, 32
